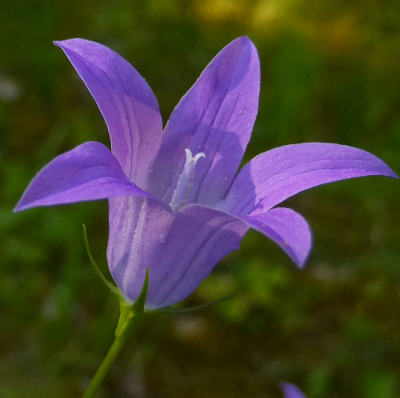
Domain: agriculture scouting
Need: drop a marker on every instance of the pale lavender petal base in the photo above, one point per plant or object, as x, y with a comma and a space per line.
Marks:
87, 172
280, 173
137, 228
286, 228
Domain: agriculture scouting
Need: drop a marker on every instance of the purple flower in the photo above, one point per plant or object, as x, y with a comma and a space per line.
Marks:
177, 204
291, 391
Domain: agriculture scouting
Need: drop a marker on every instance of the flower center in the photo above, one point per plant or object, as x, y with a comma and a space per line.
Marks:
185, 180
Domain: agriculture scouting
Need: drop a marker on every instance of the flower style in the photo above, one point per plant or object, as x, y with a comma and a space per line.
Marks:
177, 204
291, 391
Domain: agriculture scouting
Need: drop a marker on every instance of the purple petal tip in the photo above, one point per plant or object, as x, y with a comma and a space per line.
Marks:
290, 390
245, 40
301, 263
17, 209
59, 43
69, 44
394, 175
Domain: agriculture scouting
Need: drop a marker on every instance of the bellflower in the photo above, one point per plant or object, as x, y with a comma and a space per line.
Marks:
291, 391
177, 203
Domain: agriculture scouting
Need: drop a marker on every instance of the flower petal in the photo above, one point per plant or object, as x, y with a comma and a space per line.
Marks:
199, 238
216, 117
287, 228
137, 229
280, 173
127, 103
87, 172
291, 391
179, 249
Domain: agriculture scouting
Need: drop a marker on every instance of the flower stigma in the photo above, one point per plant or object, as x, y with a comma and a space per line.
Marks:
185, 180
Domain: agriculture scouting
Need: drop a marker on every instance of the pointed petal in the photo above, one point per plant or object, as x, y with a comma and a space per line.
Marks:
127, 103
286, 228
180, 249
215, 117
87, 172
280, 173
291, 391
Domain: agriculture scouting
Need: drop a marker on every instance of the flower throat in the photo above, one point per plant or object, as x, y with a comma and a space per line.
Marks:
185, 180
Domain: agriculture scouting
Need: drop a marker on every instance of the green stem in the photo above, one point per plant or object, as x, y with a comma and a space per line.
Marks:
129, 318
128, 321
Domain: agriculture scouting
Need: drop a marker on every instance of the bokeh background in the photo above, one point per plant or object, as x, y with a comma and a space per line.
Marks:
330, 72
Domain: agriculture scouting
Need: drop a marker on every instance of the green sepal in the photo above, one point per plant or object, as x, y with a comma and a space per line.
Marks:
138, 305
108, 284
178, 311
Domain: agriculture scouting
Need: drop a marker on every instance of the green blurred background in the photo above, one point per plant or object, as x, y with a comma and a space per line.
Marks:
330, 72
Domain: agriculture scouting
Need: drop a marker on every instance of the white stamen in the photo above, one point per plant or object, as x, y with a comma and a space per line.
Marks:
185, 180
